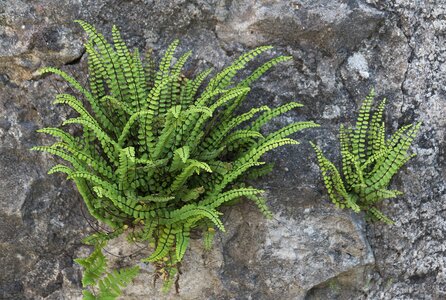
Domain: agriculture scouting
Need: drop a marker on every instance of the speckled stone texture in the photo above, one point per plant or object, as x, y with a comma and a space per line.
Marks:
310, 250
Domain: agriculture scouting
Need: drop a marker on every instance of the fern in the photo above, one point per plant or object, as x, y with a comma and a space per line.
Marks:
369, 162
158, 156
99, 284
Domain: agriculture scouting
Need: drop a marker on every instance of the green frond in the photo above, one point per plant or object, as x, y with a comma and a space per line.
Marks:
164, 75
155, 198
165, 242
260, 171
130, 123
110, 287
192, 87
73, 82
91, 202
261, 204
218, 134
94, 266
100, 116
108, 144
396, 156
76, 105
242, 134
263, 69
333, 182
181, 242
60, 169
208, 238
194, 166
376, 195
127, 167
93, 179
166, 61
86, 162
271, 114
351, 166
212, 201
189, 211
360, 132
63, 135
180, 157
117, 106
231, 176
188, 195
125, 73
149, 66
113, 73
377, 215
96, 71
289, 130
376, 130
224, 78
264, 146
62, 154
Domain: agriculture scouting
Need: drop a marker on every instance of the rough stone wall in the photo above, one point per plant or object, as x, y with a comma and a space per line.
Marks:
310, 250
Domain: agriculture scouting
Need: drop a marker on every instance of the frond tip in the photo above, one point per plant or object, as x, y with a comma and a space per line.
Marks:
369, 162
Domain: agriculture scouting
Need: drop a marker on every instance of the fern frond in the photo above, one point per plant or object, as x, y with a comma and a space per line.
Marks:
394, 159
194, 166
264, 146
289, 130
192, 88
208, 238
263, 69
333, 182
224, 78
181, 242
271, 114
376, 134
61, 169
377, 215
216, 201
94, 266
62, 154
100, 116
108, 144
261, 204
165, 242
361, 128
110, 287
217, 135
189, 211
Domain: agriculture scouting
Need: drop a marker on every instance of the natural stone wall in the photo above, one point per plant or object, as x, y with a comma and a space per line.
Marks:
310, 250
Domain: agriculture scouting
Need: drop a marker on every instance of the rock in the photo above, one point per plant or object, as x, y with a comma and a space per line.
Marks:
310, 250
315, 25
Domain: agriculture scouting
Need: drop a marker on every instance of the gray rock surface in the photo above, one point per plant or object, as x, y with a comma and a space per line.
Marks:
310, 250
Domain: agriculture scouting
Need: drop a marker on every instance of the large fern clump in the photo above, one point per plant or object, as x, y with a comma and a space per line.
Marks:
369, 161
159, 152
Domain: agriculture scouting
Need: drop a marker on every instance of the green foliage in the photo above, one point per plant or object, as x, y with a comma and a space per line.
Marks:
159, 153
369, 161
103, 285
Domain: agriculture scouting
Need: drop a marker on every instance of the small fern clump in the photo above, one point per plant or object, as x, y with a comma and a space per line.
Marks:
369, 161
159, 152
